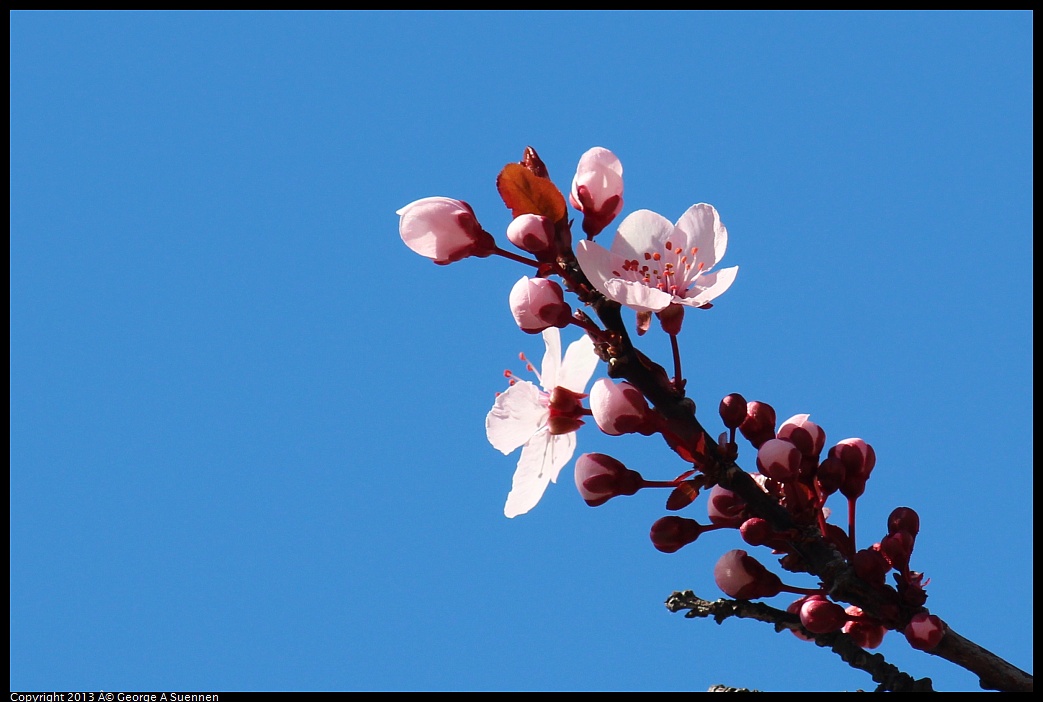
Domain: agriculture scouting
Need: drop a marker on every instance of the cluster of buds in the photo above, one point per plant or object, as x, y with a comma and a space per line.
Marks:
655, 266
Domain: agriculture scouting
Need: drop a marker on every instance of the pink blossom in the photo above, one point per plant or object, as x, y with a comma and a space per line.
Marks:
521, 417
443, 229
597, 189
654, 263
538, 303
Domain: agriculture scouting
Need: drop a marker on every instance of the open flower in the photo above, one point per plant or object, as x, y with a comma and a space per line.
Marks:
654, 263
540, 421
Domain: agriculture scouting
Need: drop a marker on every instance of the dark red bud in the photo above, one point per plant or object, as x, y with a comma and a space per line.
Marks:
733, 410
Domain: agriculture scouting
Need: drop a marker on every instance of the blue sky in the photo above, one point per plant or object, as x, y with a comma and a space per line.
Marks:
247, 423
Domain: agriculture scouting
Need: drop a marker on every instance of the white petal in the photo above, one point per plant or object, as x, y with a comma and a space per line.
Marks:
642, 231
702, 226
551, 358
516, 415
578, 365
541, 460
637, 296
709, 286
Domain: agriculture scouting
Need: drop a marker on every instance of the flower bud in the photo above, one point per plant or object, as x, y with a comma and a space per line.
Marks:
537, 304
858, 458
778, 459
725, 508
742, 576
808, 437
597, 189
925, 631
620, 408
898, 548
904, 519
733, 410
443, 229
670, 533
794, 608
820, 616
830, 475
531, 232
757, 532
866, 631
759, 425
871, 565
599, 478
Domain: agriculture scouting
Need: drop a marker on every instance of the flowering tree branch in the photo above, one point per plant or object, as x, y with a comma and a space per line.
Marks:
890, 678
662, 269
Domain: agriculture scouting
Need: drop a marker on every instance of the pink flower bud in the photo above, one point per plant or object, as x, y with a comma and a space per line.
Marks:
531, 232
794, 608
599, 478
858, 458
820, 616
620, 408
725, 508
866, 631
742, 576
757, 532
443, 229
537, 304
925, 631
778, 459
733, 410
904, 519
808, 437
670, 533
597, 189
759, 425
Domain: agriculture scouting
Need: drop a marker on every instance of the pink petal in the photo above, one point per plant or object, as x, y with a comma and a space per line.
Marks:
598, 263
637, 296
702, 225
640, 232
551, 359
516, 415
541, 460
710, 286
578, 365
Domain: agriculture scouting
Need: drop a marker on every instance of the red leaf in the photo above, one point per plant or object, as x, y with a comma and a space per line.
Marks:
526, 193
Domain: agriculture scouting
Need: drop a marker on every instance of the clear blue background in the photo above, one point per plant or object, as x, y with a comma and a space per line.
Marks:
247, 441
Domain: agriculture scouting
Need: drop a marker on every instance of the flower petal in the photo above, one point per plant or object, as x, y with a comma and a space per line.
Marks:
710, 286
541, 460
551, 359
637, 296
516, 415
598, 263
702, 226
641, 232
578, 365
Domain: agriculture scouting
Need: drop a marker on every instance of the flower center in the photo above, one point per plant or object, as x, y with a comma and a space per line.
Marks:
672, 269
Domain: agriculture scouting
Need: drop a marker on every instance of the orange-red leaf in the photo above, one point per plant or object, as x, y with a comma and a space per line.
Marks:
526, 193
